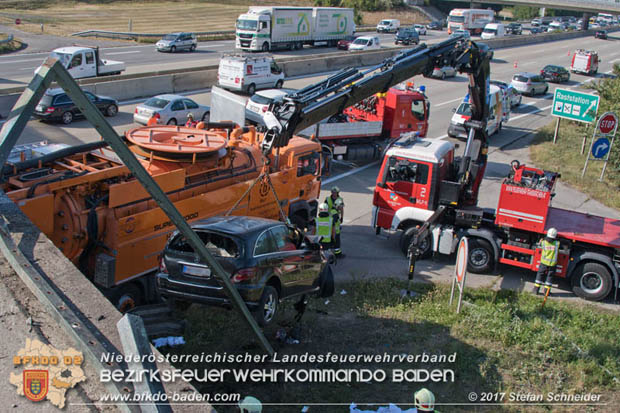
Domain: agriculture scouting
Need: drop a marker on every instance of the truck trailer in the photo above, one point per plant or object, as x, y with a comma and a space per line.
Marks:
269, 28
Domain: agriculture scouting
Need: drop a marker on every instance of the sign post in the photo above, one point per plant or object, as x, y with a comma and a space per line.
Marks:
602, 141
460, 272
573, 105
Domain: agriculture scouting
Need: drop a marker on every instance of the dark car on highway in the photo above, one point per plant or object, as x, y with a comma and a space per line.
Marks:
601, 34
514, 28
407, 36
554, 73
267, 260
56, 105
535, 30
435, 25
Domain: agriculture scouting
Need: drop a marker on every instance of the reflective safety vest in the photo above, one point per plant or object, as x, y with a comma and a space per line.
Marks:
549, 253
324, 227
334, 211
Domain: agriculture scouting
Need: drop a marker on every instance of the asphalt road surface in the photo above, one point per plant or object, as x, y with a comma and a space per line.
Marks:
369, 255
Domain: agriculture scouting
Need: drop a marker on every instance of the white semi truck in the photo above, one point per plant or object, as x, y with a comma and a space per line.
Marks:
268, 28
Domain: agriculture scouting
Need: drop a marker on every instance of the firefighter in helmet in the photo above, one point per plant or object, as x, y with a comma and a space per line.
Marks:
548, 260
324, 226
191, 123
336, 209
250, 404
425, 401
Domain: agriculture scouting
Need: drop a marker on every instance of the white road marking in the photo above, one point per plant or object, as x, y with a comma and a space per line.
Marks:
29, 68
213, 45
25, 60
128, 52
449, 101
351, 172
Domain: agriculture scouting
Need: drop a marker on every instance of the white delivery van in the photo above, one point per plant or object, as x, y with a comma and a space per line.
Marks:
365, 43
499, 112
247, 73
388, 26
493, 30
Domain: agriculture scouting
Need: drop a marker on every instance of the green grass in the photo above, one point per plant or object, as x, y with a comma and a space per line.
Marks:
11, 46
565, 157
503, 344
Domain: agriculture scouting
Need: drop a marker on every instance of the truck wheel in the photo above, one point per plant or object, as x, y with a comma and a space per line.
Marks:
279, 84
265, 47
67, 118
405, 241
267, 306
126, 297
251, 89
480, 258
111, 110
591, 281
299, 221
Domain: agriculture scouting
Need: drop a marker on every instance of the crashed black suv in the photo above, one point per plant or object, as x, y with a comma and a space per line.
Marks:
267, 261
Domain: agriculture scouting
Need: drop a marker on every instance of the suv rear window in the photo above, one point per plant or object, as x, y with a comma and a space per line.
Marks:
217, 244
520, 78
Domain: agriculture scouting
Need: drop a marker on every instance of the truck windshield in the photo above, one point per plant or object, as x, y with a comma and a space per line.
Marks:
456, 19
64, 58
464, 109
247, 24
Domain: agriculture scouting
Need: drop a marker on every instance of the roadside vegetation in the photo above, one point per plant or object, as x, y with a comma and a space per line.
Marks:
565, 156
62, 18
503, 342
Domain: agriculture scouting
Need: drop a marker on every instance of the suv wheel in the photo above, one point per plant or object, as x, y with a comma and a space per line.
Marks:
67, 118
267, 306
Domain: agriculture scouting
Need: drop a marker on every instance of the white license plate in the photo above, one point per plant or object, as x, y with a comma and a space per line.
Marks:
39, 108
196, 271
255, 109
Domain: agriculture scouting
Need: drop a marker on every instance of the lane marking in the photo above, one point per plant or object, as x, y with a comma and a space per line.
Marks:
29, 68
351, 172
449, 101
25, 60
128, 52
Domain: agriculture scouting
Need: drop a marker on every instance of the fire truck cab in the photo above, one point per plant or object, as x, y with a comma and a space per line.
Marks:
406, 189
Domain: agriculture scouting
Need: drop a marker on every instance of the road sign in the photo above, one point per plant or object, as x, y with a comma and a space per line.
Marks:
573, 105
607, 123
460, 272
600, 148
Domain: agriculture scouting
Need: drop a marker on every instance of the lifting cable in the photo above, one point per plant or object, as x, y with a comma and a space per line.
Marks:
264, 176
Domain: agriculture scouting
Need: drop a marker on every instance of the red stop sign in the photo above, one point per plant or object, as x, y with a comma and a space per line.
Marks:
18, 21
607, 123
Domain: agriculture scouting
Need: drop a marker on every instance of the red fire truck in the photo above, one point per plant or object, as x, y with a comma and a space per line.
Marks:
412, 187
363, 130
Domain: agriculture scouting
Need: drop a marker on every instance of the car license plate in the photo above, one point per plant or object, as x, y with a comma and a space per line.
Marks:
39, 108
196, 271
255, 109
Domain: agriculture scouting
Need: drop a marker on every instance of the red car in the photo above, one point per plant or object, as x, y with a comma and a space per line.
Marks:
343, 44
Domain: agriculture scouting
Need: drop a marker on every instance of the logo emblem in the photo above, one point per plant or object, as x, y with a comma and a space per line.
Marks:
264, 188
393, 196
35, 384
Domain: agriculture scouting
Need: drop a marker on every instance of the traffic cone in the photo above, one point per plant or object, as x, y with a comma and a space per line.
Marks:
515, 64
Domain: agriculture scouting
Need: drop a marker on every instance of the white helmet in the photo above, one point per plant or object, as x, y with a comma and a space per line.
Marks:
250, 405
552, 233
424, 400
323, 207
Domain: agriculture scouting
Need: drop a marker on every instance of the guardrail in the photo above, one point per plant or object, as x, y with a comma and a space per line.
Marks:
7, 40
134, 35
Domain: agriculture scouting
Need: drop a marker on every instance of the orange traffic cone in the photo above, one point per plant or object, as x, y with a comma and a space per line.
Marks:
515, 64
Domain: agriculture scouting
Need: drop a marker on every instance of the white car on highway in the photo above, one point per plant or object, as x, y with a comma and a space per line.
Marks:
170, 110
365, 43
420, 28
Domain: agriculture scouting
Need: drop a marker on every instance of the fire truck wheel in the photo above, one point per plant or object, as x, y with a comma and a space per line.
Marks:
299, 221
591, 281
126, 297
267, 306
405, 240
480, 258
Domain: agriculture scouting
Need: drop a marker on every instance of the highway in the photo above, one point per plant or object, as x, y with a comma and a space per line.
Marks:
369, 255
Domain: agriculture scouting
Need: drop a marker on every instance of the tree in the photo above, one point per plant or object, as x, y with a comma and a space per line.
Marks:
524, 12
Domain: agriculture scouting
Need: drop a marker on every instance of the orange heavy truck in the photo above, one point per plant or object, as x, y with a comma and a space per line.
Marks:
89, 204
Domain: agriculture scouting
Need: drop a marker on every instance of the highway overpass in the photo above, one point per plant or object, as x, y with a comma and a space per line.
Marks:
585, 6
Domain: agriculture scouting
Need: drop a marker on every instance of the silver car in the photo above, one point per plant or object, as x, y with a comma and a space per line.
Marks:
177, 41
444, 72
529, 84
420, 28
259, 103
170, 110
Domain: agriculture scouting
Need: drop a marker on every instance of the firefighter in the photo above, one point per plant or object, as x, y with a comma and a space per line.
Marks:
152, 121
324, 226
250, 404
425, 401
548, 260
191, 123
336, 209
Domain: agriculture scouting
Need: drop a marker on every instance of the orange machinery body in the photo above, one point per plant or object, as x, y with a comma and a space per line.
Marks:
103, 220
400, 110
